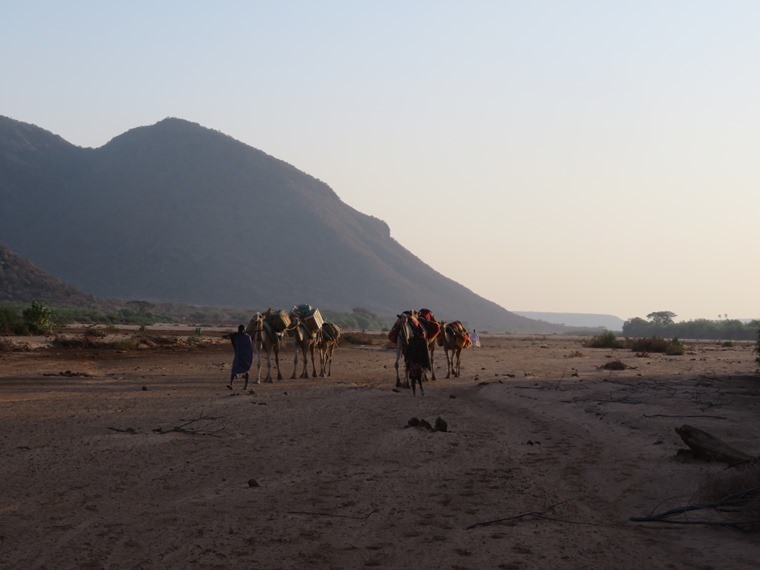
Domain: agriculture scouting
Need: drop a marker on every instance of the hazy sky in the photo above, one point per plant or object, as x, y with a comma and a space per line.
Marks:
587, 156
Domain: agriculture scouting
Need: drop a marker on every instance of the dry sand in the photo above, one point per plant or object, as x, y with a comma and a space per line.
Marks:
326, 473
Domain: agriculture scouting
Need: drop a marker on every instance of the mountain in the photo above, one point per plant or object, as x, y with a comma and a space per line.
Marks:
21, 282
176, 212
609, 322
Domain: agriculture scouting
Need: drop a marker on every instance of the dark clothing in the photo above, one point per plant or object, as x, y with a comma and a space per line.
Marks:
417, 352
243, 346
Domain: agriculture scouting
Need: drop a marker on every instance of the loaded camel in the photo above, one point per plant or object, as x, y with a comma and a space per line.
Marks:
305, 341
327, 341
453, 338
267, 340
410, 341
433, 329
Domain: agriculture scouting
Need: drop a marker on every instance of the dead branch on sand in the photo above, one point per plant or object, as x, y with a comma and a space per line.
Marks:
128, 430
182, 427
315, 514
730, 499
706, 446
537, 515
683, 416
744, 502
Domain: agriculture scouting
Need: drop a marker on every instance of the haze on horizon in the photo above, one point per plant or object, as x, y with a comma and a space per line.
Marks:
593, 157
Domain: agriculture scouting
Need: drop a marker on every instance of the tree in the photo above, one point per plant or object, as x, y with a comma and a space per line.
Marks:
38, 317
662, 317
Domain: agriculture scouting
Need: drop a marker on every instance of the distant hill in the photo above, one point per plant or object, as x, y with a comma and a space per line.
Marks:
176, 212
610, 322
22, 282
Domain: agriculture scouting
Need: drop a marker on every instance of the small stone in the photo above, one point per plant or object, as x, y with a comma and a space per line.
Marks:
425, 424
253, 483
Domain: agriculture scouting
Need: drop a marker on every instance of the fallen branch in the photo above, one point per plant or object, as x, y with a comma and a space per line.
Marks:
741, 501
682, 416
128, 430
315, 514
537, 514
710, 447
181, 428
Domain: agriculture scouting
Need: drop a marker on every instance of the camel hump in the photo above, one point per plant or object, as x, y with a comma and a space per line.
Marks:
427, 314
457, 328
277, 319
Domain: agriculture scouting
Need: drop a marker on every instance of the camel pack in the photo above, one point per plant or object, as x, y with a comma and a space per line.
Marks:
277, 319
311, 317
429, 322
457, 328
418, 329
330, 331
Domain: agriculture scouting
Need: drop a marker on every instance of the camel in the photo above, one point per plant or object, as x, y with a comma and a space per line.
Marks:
453, 338
405, 330
327, 341
433, 329
265, 339
402, 343
304, 340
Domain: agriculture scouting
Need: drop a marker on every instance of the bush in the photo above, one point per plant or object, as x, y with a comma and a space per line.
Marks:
674, 348
11, 322
38, 317
615, 365
361, 339
657, 344
607, 339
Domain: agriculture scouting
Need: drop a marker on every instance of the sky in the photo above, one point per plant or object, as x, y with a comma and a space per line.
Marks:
591, 156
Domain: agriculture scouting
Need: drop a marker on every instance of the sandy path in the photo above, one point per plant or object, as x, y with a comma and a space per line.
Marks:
342, 482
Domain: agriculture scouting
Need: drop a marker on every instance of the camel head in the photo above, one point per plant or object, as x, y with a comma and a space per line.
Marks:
255, 323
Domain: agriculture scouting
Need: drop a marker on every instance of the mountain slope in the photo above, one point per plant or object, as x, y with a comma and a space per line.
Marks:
179, 213
21, 282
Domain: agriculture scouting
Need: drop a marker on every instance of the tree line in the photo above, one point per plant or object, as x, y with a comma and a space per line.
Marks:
661, 324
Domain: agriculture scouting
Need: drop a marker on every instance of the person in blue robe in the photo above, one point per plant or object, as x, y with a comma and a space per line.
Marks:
243, 347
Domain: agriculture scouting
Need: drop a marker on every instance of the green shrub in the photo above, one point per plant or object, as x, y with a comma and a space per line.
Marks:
11, 322
657, 344
607, 339
674, 348
38, 317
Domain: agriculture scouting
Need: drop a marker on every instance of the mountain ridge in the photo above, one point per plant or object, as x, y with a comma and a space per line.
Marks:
177, 212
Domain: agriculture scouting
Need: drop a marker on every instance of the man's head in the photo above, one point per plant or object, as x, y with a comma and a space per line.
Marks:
241, 328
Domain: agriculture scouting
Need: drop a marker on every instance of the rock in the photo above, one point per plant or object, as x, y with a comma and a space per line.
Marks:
440, 424
253, 483
425, 424
413, 422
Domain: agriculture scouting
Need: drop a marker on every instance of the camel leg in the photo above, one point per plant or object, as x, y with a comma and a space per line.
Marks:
295, 362
328, 360
268, 377
432, 363
277, 362
322, 351
459, 361
398, 356
258, 367
312, 350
